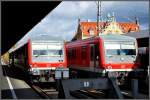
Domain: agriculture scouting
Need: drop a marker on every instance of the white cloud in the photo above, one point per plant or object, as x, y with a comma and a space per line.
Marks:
62, 21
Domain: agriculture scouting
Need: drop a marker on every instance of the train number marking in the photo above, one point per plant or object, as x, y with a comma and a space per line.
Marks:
86, 84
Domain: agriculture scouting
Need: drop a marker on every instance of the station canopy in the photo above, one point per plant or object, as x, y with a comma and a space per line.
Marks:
18, 18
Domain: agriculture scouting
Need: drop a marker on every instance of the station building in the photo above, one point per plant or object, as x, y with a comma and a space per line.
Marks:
88, 29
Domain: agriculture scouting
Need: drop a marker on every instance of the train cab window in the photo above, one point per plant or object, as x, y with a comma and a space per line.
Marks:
113, 52
120, 49
128, 52
60, 52
39, 52
112, 49
128, 49
55, 52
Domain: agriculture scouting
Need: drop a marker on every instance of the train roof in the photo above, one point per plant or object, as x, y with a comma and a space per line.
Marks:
47, 38
116, 37
139, 35
110, 37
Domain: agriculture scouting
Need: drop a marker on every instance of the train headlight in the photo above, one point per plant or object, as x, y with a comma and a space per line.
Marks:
60, 60
35, 65
48, 65
109, 67
60, 65
123, 66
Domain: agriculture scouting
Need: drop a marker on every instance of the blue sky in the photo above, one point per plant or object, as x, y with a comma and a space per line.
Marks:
63, 20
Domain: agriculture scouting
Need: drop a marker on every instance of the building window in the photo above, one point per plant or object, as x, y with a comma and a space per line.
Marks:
91, 32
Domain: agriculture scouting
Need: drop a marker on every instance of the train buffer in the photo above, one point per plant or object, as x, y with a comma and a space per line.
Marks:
88, 88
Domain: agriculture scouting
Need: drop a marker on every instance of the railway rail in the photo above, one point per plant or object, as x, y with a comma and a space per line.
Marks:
79, 94
85, 89
78, 88
102, 89
46, 90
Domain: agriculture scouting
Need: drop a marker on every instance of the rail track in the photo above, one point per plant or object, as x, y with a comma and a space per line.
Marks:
46, 90
51, 93
89, 94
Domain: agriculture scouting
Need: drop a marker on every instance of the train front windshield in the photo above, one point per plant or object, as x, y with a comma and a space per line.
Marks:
56, 52
120, 51
47, 52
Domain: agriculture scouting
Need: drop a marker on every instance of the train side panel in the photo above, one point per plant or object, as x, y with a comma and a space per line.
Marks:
20, 57
29, 52
107, 53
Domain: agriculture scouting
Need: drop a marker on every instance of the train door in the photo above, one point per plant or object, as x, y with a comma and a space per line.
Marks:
94, 56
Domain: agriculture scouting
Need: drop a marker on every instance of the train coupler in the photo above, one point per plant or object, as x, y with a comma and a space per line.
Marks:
61, 73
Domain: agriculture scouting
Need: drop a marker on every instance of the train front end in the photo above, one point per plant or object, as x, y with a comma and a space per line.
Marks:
48, 60
120, 54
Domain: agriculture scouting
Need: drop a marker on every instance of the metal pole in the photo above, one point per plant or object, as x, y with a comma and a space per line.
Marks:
100, 11
134, 85
98, 18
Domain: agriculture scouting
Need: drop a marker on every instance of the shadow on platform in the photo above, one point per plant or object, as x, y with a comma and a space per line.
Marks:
23, 93
15, 72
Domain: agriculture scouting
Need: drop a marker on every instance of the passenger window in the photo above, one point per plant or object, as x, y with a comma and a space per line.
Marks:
73, 53
83, 52
92, 53
97, 52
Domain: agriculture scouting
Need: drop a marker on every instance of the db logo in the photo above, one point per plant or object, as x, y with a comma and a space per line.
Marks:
48, 65
35, 65
123, 66
109, 67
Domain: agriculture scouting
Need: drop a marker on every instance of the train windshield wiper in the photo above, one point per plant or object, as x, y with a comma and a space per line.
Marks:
133, 56
110, 56
37, 55
60, 52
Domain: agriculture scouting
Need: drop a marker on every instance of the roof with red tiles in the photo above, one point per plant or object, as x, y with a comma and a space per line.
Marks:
125, 26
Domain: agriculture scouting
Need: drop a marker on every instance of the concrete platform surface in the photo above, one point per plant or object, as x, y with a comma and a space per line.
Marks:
13, 88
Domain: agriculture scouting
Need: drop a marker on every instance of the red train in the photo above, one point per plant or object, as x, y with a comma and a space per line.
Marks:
99, 55
42, 57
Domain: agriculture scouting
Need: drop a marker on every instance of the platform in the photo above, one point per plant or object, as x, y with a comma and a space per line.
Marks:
14, 88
